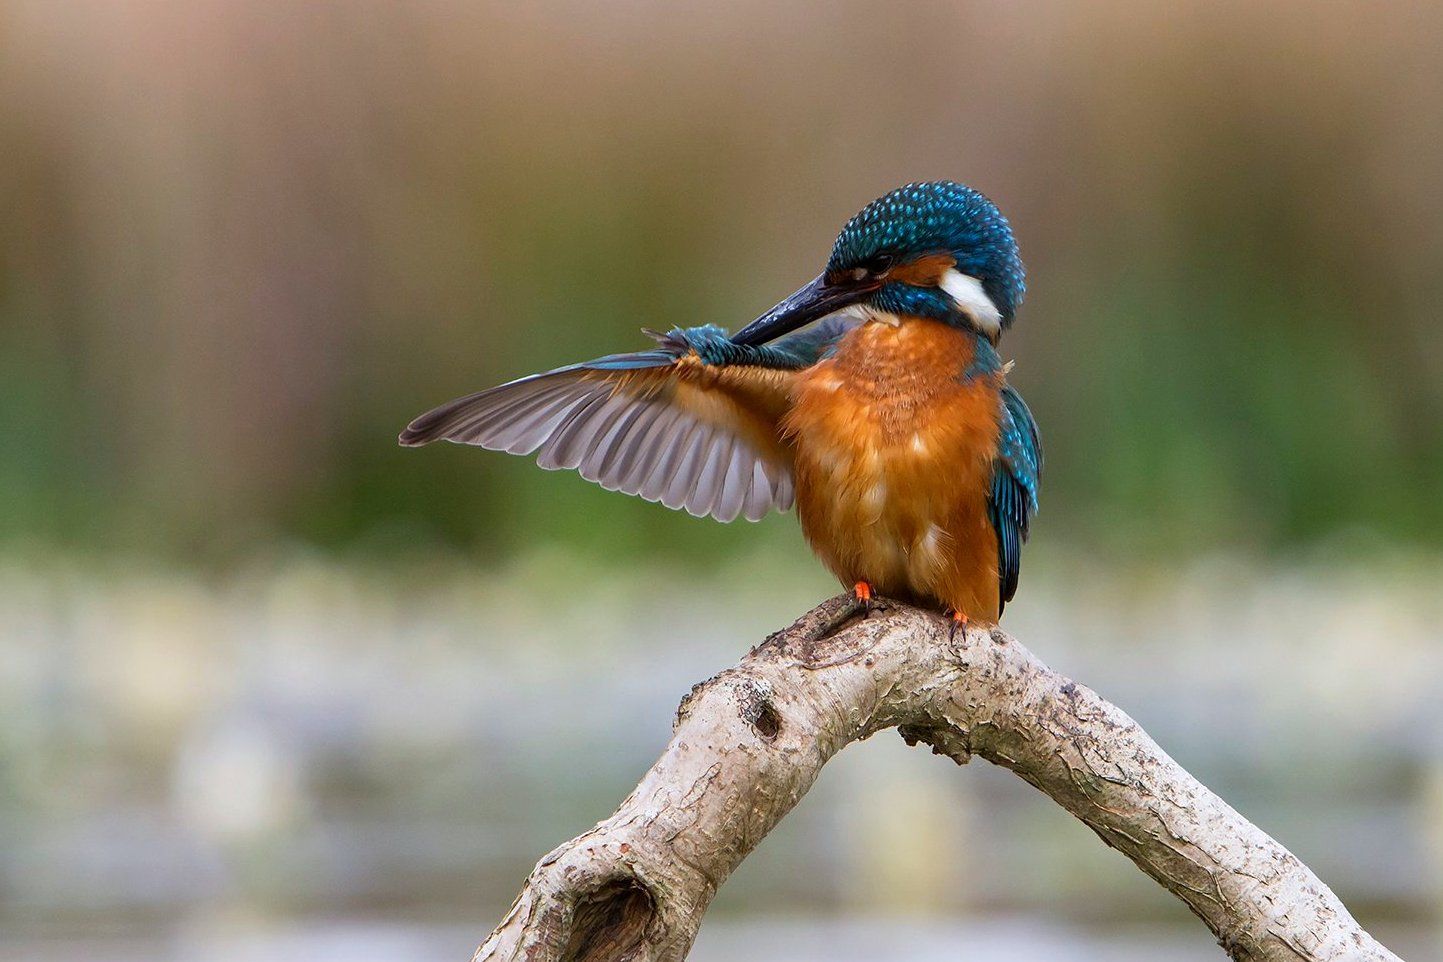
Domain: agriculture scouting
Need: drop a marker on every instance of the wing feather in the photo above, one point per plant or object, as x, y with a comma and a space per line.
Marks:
659, 424
680, 487
734, 488
606, 463
707, 491
761, 494
671, 460
647, 476
566, 445
522, 430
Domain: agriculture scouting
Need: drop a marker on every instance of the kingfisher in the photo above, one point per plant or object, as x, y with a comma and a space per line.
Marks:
873, 398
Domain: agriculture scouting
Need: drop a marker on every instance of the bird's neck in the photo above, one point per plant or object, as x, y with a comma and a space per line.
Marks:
909, 333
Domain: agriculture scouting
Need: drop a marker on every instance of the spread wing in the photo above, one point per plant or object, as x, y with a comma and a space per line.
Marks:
1015, 478
692, 423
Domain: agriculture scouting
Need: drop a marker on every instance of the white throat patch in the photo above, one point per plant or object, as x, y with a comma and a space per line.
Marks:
967, 293
868, 314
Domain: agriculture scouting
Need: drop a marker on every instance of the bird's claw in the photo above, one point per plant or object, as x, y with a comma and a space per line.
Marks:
959, 620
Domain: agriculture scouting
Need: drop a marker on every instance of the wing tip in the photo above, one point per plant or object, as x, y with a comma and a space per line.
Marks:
420, 431
432, 425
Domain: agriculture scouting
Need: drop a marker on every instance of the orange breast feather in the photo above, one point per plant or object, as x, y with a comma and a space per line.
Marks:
894, 449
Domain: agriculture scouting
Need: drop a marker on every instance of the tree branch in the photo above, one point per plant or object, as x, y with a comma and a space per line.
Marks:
748, 743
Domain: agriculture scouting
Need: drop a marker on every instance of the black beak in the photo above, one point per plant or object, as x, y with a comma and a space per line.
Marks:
816, 300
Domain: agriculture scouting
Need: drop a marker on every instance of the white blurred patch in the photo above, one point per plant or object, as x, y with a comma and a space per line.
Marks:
238, 782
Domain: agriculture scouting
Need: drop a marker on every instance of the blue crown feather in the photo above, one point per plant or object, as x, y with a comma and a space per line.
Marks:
937, 216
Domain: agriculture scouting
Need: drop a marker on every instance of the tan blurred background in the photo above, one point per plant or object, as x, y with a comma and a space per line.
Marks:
271, 686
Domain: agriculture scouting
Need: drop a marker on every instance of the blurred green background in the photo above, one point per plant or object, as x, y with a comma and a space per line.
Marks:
270, 684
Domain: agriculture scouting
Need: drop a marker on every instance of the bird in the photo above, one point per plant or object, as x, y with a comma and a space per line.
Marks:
873, 399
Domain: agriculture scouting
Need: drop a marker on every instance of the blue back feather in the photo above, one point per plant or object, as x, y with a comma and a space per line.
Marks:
1015, 479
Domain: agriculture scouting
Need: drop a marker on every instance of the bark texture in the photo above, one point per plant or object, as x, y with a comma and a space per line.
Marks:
748, 743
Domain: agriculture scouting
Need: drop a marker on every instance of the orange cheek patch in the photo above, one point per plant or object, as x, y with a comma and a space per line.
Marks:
924, 271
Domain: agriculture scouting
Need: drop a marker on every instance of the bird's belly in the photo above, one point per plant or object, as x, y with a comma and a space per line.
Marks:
914, 529
894, 492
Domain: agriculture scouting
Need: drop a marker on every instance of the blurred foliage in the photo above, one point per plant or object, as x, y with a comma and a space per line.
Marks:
243, 243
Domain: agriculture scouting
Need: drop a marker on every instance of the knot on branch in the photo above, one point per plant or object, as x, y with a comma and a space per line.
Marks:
751, 696
609, 922
584, 902
754, 697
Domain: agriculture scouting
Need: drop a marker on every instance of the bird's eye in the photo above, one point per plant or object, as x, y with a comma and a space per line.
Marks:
879, 264
871, 268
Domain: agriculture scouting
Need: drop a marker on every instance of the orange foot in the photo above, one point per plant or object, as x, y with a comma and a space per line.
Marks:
862, 591
959, 620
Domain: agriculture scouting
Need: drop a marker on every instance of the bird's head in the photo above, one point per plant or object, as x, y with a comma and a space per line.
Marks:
939, 250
